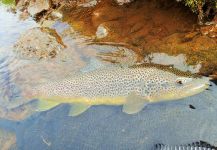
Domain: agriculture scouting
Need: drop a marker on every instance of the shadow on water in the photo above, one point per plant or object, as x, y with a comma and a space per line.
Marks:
100, 127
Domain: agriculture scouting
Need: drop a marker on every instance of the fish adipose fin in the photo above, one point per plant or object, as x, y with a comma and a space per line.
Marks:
134, 104
45, 105
77, 109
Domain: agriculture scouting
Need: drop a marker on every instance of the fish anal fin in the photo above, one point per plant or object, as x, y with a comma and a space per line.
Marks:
134, 104
43, 105
77, 109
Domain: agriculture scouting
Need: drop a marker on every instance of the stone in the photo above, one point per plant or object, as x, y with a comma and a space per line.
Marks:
39, 43
33, 7
37, 6
101, 32
122, 2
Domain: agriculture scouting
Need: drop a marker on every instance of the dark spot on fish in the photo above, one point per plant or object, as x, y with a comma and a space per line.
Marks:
167, 68
191, 106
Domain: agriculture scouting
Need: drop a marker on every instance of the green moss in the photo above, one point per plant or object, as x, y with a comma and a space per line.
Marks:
194, 4
197, 6
8, 2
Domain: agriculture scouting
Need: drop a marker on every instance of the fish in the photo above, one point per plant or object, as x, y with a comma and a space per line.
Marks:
131, 87
200, 145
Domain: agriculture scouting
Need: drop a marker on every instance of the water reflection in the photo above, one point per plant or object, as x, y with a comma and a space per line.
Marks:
11, 26
7, 140
179, 61
20, 73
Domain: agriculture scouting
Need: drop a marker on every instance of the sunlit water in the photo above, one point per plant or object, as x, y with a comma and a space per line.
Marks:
101, 127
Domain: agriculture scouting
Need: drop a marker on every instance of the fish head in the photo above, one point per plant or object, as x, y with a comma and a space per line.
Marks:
186, 86
172, 88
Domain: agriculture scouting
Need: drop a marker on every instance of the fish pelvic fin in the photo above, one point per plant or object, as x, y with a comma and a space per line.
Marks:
134, 104
43, 105
77, 109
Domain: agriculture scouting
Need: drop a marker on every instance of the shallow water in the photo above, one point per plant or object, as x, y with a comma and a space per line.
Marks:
101, 127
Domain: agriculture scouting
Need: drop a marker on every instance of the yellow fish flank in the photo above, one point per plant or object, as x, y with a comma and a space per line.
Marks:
132, 87
88, 101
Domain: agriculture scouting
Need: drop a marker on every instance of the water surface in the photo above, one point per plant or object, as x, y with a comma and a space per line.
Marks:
101, 127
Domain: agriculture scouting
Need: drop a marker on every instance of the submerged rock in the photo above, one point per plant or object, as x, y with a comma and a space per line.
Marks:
210, 30
101, 32
39, 43
37, 6
87, 3
122, 2
34, 6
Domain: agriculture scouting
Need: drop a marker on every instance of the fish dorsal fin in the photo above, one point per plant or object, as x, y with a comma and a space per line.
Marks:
43, 105
134, 104
77, 109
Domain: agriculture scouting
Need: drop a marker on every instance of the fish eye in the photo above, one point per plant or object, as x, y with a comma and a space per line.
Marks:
179, 82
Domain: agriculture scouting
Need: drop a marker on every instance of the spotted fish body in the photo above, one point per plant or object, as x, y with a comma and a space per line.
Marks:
131, 87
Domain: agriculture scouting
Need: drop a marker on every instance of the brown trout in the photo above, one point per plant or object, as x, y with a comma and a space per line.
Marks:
132, 87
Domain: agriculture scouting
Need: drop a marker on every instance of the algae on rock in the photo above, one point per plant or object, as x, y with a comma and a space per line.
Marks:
206, 9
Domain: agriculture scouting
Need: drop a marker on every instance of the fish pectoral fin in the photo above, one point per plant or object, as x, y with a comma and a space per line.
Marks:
45, 105
77, 109
134, 104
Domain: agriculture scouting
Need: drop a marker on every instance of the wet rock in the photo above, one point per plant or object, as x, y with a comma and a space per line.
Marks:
22, 4
122, 2
39, 43
34, 7
210, 30
199, 50
189, 36
56, 14
24, 15
57, 2
101, 32
37, 6
87, 3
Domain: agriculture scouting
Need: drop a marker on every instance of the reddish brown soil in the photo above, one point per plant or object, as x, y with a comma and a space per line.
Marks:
148, 20
149, 26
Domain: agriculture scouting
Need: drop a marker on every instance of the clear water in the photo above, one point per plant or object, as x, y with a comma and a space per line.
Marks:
101, 127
